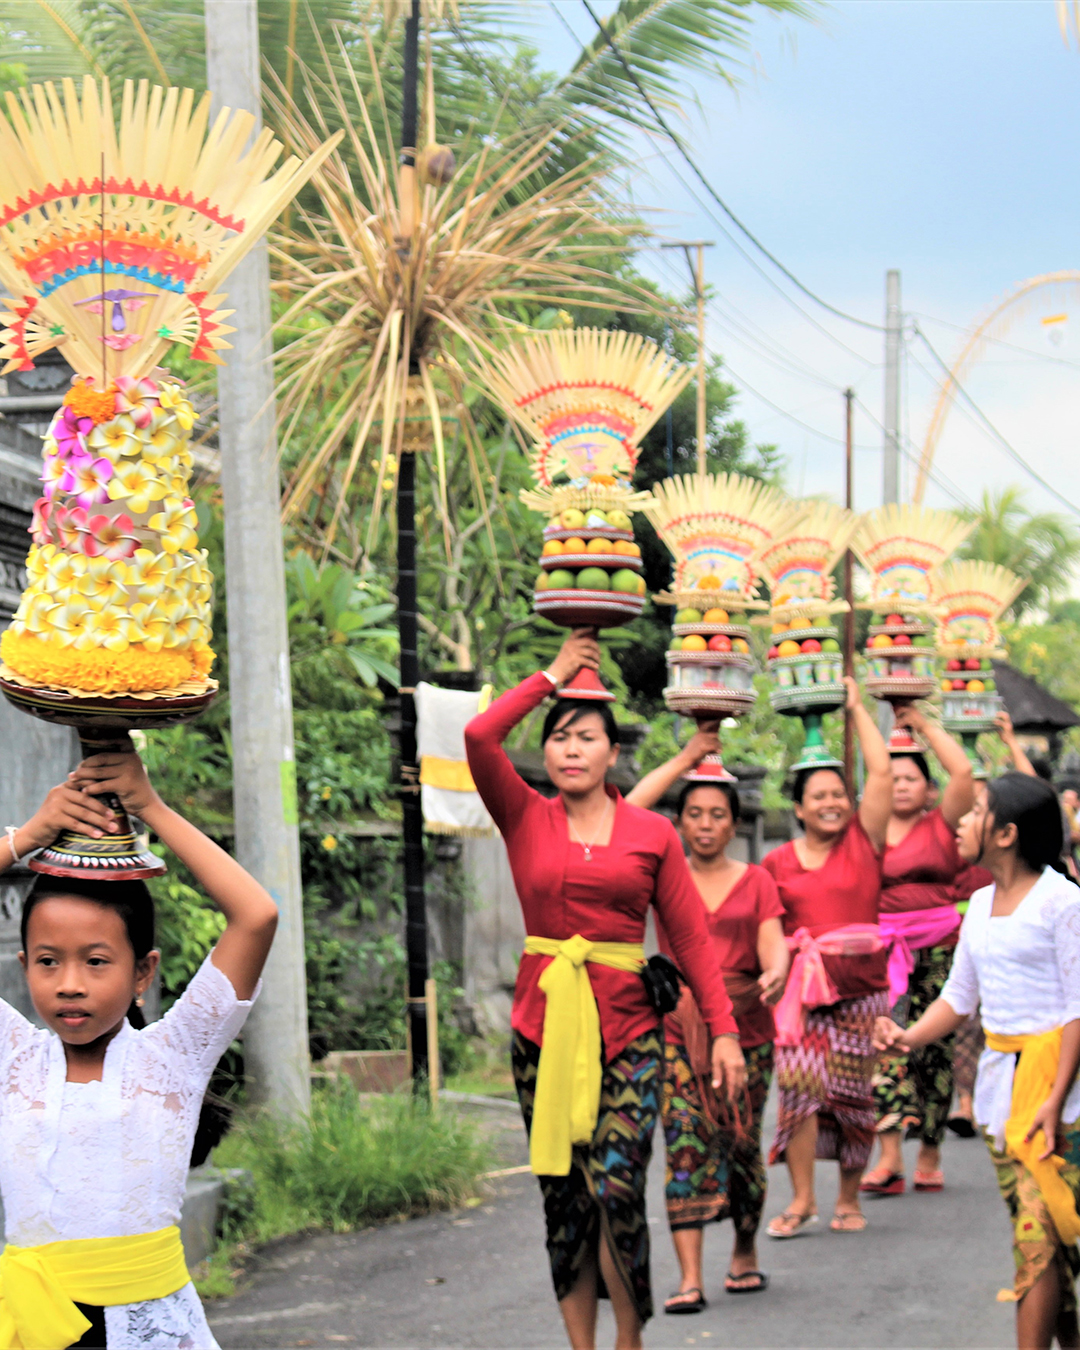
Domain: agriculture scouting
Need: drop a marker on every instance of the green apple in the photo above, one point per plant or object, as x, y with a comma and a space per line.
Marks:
572, 519
625, 580
594, 579
596, 520
986, 664
688, 616
543, 582
876, 619
618, 520
991, 686
830, 645
560, 580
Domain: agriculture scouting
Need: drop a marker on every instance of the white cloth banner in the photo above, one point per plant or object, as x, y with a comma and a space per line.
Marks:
448, 795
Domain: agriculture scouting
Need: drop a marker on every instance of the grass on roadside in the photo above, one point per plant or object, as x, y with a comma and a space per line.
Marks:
347, 1166
490, 1078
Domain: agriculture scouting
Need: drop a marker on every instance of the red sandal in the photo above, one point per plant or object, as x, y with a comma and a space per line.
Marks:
929, 1181
883, 1182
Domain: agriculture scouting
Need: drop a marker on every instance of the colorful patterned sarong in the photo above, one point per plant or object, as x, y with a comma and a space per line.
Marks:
712, 1174
604, 1194
914, 1092
828, 1074
1035, 1240
967, 1048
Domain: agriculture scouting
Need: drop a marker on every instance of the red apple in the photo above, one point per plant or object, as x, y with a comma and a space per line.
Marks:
901, 640
973, 663
959, 685
719, 642
774, 652
953, 665
810, 645
893, 620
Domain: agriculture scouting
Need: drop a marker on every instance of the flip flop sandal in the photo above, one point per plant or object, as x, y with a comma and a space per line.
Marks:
883, 1183
693, 1306
801, 1221
962, 1126
759, 1275
929, 1181
848, 1223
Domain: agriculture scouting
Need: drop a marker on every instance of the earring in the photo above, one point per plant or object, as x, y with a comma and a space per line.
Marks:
140, 1002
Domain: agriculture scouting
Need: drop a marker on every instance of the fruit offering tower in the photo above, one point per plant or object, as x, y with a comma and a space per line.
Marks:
586, 397
716, 527
900, 546
972, 596
806, 664
114, 242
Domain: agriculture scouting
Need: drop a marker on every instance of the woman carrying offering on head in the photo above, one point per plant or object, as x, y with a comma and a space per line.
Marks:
1019, 955
714, 1164
98, 1118
830, 885
587, 1049
920, 919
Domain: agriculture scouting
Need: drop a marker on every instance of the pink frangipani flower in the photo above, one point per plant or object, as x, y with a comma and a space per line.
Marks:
72, 468
111, 537
41, 530
138, 398
91, 478
72, 524
53, 475
71, 431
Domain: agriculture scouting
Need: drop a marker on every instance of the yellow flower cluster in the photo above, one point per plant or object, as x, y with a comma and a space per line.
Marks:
97, 672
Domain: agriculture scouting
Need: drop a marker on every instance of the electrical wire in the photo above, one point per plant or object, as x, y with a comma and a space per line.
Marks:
1000, 342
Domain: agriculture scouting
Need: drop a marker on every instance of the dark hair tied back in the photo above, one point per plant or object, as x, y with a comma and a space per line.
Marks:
728, 789
1031, 805
567, 711
919, 760
799, 782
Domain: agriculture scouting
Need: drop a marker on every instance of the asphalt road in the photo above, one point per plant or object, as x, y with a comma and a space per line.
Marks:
925, 1273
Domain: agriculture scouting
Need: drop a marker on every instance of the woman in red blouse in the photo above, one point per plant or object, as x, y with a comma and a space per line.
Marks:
587, 866
715, 1170
830, 884
920, 918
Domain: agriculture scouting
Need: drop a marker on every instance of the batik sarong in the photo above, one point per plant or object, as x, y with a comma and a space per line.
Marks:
1035, 1240
828, 1074
713, 1171
967, 1047
914, 1092
604, 1194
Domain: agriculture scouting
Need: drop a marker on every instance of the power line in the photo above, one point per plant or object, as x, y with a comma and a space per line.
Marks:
910, 452
1001, 342
677, 142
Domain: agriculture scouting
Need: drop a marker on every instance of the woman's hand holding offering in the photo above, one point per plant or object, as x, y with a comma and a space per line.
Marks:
67, 807
580, 651
122, 774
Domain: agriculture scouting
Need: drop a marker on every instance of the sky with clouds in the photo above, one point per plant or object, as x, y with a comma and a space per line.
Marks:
938, 137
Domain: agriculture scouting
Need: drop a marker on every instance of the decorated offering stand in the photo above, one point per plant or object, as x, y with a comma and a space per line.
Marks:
114, 240
972, 596
586, 397
806, 663
715, 527
900, 546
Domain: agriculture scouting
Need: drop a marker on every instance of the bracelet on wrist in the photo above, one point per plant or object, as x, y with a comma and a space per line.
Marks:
554, 681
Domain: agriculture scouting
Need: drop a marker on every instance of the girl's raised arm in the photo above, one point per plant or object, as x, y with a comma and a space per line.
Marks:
66, 807
250, 914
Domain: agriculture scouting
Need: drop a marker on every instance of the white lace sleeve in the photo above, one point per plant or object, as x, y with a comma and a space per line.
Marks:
15, 1032
202, 1022
1065, 916
961, 990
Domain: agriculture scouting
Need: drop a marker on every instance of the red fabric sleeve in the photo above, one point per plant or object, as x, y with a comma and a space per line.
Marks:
769, 904
682, 917
501, 788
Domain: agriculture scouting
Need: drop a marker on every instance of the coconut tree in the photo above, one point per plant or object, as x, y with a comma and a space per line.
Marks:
1041, 546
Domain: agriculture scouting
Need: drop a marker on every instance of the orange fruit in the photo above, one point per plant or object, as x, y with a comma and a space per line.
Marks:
622, 548
779, 627
788, 648
709, 583
694, 642
882, 640
574, 545
602, 479
598, 546
715, 616
551, 548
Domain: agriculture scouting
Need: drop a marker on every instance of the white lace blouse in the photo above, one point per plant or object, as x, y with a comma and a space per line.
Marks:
110, 1159
1024, 969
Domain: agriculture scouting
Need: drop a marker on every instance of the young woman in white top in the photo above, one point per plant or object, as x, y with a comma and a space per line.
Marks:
1019, 954
97, 1119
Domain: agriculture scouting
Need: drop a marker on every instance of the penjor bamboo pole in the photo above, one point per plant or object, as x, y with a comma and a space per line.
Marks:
276, 1053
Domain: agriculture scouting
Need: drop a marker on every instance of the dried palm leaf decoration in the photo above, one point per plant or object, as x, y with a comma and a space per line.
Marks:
798, 564
901, 546
972, 596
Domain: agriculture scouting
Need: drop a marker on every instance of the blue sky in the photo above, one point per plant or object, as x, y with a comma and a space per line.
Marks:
935, 136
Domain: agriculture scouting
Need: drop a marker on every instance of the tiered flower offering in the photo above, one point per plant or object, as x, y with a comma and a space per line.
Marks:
587, 397
119, 597
901, 546
972, 596
805, 659
715, 527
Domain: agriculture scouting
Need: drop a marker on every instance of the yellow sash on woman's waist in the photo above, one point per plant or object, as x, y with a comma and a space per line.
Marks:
39, 1286
1033, 1082
567, 1101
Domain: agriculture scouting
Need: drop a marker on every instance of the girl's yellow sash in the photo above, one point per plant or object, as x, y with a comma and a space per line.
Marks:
1032, 1084
39, 1286
567, 1101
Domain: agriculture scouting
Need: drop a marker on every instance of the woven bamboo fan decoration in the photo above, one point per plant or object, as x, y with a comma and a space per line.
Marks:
901, 547
715, 526
586, 397
972, 596
114, 240
805, 661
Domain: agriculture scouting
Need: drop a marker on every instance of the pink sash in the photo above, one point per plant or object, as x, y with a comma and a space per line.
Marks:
808, 983
908, 931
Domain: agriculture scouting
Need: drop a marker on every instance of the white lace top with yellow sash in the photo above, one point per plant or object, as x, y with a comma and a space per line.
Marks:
110, 1159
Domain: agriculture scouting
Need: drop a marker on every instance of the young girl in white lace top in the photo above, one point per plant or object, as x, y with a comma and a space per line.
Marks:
97, 1119
1019, 956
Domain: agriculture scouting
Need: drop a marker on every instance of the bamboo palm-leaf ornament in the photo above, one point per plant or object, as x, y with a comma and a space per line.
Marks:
113, 240
805, 662
715, 527
586, 397
972, 596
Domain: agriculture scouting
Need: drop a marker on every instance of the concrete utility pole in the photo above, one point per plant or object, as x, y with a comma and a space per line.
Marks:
697, 274
264, 769
893, 325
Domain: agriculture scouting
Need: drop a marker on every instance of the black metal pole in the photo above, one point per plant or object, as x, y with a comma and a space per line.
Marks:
412, 819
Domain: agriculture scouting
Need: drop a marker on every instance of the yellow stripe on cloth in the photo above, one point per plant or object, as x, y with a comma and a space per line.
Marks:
446, 773
39, 1286
567, 1101
1033, 1082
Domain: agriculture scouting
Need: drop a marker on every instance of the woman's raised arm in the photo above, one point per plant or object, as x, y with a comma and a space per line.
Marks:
875, 808
650, 789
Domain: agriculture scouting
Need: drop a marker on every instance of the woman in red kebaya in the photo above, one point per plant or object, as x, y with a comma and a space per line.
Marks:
587, 1051
714, 1164
830, 884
